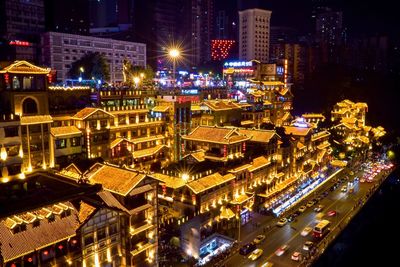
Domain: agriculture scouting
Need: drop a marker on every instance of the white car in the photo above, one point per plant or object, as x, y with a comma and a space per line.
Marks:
318, 208
259, 239
256, 254
306, 231
282, 222
296, 256
280, 251
344, 189
308, 245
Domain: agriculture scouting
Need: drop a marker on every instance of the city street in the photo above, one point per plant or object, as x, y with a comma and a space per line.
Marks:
341, 202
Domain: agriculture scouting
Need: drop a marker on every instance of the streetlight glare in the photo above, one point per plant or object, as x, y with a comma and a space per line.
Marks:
174, 53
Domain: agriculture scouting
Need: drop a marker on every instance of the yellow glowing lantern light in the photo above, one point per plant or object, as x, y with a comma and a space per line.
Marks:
3, 153
21, 151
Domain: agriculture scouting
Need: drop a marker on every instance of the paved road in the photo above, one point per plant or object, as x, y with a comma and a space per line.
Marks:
289, 234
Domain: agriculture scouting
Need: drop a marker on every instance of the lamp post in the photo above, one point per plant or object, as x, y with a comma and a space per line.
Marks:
174, 54
81, 70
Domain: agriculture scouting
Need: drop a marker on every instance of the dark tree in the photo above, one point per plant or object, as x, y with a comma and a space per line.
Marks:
90, 66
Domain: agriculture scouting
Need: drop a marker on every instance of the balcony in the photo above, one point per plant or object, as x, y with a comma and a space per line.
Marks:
142, 248
135, 231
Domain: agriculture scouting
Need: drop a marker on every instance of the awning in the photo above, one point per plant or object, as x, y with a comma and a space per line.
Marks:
248, 122
147, 152
160, 108
241, 199
27, 120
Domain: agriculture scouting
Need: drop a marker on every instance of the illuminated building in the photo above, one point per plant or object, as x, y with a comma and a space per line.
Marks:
296, 56
221, 49
24, 93
313, 118
219, 144
276, 99
236, 73
127, 233
348, 120
254, 34
221, 112
60, 50
175, 112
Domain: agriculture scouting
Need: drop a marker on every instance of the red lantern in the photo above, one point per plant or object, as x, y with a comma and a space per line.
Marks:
6, 78
193, 198
30, 259
183, 148
60, 247
49, 77
225, 151
244, 147
238, 208
164, 189
45, 253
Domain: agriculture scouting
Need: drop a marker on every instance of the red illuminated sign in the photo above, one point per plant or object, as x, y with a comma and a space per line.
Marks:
19, 43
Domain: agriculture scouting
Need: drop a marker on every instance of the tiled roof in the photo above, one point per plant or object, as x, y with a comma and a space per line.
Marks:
216, 135
320, 135
218, 105
22, 66
147, 152
300, 145
207, 182
259, 163
313, 115
85, 210
350, 120
257, 135
33, 238
323, 145
65, 130
169, 181
118, 140
114, 179
198, 155
109, 199
240, 168
86, 112
297, 130
71, 171
27, 120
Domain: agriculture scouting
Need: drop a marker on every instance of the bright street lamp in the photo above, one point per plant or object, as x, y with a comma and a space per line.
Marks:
174, 54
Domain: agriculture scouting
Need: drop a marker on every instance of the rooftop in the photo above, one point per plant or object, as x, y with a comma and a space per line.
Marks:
207, 182
215, 134
114, 179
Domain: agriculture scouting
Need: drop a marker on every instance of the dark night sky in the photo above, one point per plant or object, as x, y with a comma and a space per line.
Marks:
360, 17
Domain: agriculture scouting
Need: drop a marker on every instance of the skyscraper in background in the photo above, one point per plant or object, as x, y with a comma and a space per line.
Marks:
21, 20
254, 29
76, 21
330, 35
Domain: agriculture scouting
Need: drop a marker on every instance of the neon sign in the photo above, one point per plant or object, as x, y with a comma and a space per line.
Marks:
238, 64
19, 43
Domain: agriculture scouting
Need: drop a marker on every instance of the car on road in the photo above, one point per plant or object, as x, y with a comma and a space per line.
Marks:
296, 213
282, 222
302, 208
256, 254
291, 217
296, 256
331, 213
308, 245
259, 239
310, 203
267, 264
246, 249
318, 208
280, 251
344, 189
306, 231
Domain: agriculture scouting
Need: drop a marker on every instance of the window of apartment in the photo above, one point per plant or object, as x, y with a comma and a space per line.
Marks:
88, 239
11, 131
112, 229
101, 234
75, 141
61, 143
